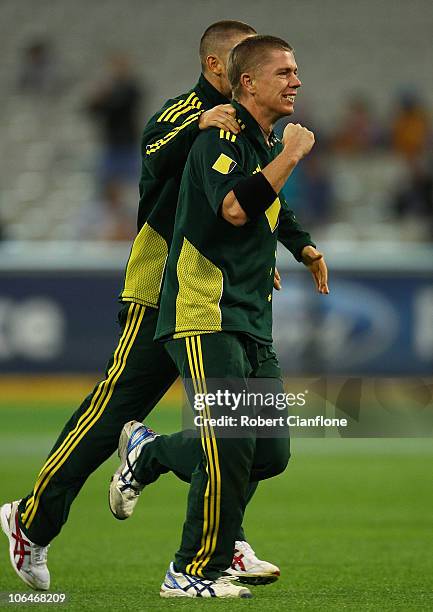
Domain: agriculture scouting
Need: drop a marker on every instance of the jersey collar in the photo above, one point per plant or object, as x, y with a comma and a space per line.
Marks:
253, 130
212, 97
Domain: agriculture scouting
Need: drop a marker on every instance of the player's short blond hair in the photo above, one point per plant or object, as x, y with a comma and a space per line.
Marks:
249, 55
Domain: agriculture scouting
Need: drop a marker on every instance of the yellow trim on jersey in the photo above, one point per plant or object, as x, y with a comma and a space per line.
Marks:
97, 406
190, 334
212, 501
195, 104
227, 135
187, 102
201, 285
173, 106
145, 267
151, 148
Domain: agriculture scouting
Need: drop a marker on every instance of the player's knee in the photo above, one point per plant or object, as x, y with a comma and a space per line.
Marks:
278, 463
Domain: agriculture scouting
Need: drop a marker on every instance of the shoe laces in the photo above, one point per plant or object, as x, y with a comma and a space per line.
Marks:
128, 485
245, 548
39, 554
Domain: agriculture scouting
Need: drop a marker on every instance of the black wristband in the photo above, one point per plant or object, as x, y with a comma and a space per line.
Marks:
254, 194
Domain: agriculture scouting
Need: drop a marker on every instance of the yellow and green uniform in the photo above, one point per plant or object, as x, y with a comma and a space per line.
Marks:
166, 142
140, 370
216, 319
219, 276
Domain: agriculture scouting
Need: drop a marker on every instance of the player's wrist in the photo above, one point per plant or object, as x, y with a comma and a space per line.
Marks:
202, 122
309, 254
291, 157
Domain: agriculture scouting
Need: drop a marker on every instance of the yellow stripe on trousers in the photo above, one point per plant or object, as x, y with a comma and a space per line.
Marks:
203, 557
92, 414
213, 490
214, 535
204, 440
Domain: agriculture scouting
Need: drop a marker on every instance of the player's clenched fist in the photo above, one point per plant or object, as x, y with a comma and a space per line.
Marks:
222, 116
297, 140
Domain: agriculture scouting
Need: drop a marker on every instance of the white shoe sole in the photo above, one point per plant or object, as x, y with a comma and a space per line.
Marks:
174, 593
114, 496
5, 524
179, 593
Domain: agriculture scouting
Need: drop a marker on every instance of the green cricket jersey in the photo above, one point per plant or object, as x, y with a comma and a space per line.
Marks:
166, 142
220, 277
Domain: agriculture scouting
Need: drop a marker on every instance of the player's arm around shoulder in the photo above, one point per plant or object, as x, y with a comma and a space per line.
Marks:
170, 134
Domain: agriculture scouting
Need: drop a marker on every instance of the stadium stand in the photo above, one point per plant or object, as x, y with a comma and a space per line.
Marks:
49, 147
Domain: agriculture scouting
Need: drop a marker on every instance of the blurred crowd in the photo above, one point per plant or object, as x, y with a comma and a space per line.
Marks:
405, 135
115, 106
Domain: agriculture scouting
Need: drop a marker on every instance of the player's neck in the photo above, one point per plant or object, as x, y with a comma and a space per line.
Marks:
261, 115
215, 81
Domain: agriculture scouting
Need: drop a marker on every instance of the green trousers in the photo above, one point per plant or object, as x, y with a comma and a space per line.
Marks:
138, 374
219, 489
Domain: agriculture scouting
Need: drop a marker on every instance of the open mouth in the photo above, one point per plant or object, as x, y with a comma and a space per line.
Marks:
289, 97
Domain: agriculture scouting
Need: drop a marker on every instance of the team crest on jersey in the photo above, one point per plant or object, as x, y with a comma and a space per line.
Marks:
224, 164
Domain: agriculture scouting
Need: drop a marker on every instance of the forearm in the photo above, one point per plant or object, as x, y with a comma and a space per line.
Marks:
237, 207
292, 235
296, 243
253, 195
279, 170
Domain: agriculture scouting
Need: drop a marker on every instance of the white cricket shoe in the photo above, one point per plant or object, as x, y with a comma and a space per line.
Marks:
248, 569
124, 489
177, 584
28, 559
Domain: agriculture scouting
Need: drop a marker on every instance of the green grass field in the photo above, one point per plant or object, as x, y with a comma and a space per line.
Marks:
349, 523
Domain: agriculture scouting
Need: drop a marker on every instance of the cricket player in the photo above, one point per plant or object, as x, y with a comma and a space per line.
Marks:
140, 371
216, 311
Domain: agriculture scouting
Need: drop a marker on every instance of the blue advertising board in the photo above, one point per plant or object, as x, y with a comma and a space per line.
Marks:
372, 323
369, 324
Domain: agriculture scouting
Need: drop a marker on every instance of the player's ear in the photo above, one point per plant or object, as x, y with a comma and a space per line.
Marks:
248, 82
214, 65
